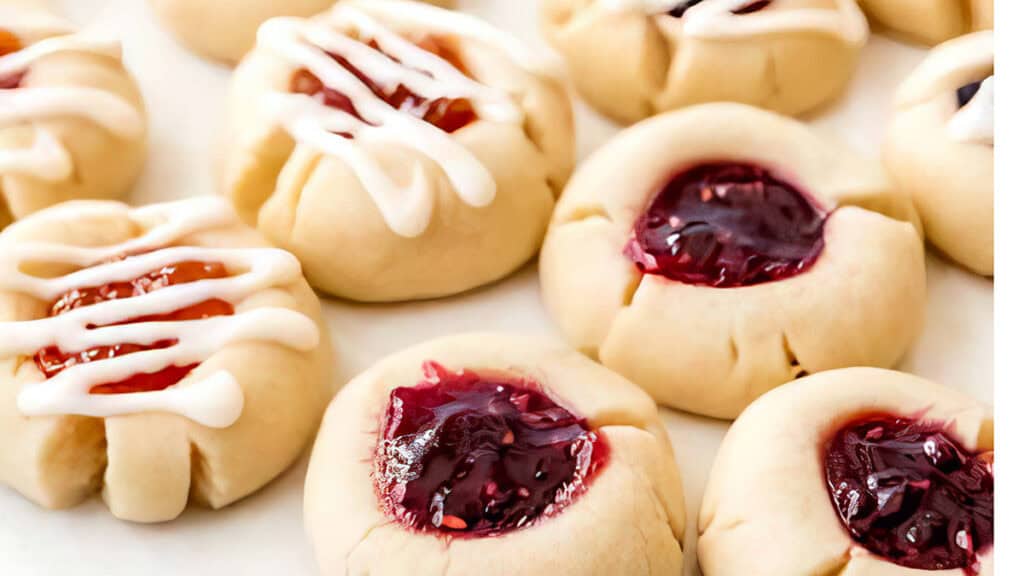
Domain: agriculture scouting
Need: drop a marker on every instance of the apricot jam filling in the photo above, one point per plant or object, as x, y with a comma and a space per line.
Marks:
447, 114
52, 361
479, 454
728, 225
908, 491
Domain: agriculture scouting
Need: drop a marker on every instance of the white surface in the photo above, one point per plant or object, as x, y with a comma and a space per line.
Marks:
263, 534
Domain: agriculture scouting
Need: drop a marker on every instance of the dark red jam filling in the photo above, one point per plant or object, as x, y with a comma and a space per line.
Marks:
9, 44
910, 493
52, 361
728, 225
447, 114
479, 454
748, 8
966, 93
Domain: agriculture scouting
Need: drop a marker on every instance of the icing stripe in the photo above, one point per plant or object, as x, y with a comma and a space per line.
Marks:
214, 401
975, 122
29, 104
406, 208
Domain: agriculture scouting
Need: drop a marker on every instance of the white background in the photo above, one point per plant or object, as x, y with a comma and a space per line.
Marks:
263, 534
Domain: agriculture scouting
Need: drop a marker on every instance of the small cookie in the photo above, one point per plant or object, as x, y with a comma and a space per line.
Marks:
634, 58
72, 124
930, 21
493, 454
939, 148
152, 353
856, 471
714, 253
226, 29
401, 151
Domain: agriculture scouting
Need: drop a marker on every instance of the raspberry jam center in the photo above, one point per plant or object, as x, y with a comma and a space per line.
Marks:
52, 361
728, 225
909, 492
748, 8
9, 44
448, 114
481, 454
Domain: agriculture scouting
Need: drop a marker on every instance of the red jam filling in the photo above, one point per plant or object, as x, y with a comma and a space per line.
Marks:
9, 44
51, 361
748, 8
447, 114
465, 453
909, 492
728, 225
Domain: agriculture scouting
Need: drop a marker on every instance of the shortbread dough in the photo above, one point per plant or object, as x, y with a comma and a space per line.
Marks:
634, 58
767, 508
939, 148
72, 124
451, 192
710, 346
226, 29
112, 425
629, 519
930, 21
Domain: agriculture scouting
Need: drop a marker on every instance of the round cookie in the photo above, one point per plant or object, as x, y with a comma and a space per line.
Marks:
72, 124
714, 253
856, 471
226, 29
149, 354
790, 56
930, 21
567, 469
939, 148
444, 159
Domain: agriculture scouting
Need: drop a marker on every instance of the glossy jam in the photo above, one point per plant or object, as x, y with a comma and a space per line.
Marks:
748, 8
966, 93
9, 44
447, 114
907, 491
51, 361
474, 454
728, 225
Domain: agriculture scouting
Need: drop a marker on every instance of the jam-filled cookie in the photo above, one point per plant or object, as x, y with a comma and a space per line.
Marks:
71, 118
939, 147
930, 21
493, 454
226, 29
400, 150
159, 355
634, 58
856, 471
714, 253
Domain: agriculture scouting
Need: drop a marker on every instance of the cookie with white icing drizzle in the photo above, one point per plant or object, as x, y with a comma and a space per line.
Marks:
634, 58
930, 21
939, 147
150, 353
400, 150
226, 29
72, 123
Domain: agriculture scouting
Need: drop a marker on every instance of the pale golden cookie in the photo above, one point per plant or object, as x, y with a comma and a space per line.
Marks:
207, 401
930, 21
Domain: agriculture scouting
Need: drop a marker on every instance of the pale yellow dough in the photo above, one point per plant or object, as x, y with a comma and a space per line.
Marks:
952, 182
631, 64
226, 29
150, 466
105, 165
766, 509
315, 206
712, 351
630, 520
930, 21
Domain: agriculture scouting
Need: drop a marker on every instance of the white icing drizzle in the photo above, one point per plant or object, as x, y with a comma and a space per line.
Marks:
216, 400
406, 208
47, 159
975, 122
716, 18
